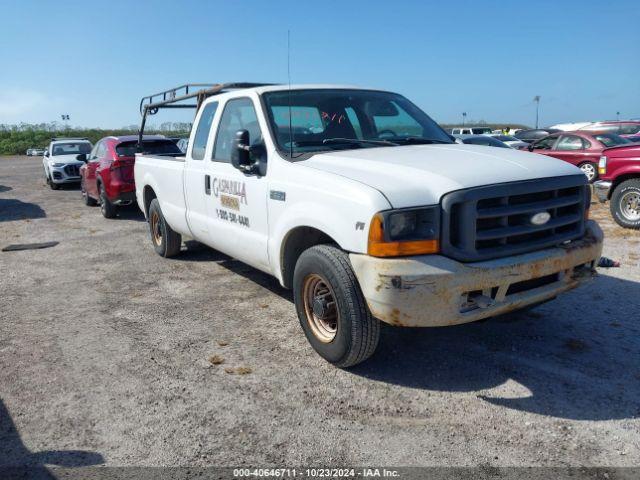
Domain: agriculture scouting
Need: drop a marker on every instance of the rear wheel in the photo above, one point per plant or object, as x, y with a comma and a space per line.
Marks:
590, 170
625, 204
166, 242
108, 209
331, 308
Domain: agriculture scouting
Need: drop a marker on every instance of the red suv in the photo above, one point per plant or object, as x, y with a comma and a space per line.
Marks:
106, 178
582, 149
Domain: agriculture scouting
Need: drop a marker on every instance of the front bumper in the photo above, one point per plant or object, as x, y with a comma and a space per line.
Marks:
602, 189
432, 290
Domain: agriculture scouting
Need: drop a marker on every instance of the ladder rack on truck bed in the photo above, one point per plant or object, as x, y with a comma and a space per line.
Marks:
174, 97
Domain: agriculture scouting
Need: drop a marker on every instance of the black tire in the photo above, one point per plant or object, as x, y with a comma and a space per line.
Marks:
165, 241
590, 171
108, 209
357, 332
88, 200
54, 186
621, 209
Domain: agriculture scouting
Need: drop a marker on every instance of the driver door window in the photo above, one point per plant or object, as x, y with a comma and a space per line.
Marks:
570, 142
239, 114
545, 143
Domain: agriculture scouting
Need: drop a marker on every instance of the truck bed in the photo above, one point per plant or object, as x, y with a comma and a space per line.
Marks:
164, 174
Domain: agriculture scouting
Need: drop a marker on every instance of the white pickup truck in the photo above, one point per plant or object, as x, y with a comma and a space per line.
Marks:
366, 208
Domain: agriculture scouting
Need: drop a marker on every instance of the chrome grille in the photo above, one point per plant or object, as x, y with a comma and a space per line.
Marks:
495, 221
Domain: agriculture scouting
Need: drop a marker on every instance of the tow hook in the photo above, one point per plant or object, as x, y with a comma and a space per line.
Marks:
475, 300
482, 301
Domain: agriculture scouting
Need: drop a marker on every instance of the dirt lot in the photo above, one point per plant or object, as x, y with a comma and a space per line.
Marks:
105, 348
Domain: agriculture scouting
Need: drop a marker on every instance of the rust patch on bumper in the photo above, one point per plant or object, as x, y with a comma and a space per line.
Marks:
433, 290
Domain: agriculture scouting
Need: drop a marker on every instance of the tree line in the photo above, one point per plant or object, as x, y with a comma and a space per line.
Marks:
16, 139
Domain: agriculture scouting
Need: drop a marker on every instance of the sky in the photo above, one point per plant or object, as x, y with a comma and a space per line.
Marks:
95, 60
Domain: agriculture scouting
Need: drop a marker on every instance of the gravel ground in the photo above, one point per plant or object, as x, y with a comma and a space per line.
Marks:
105, 355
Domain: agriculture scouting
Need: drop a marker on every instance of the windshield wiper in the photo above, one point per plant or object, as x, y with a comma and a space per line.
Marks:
419, 140
344, 141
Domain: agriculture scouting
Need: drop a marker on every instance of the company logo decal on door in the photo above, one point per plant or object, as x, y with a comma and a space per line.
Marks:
231, 194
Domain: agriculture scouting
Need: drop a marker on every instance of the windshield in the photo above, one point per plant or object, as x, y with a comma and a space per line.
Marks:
611, 139
481, 130
324, 119
71, 148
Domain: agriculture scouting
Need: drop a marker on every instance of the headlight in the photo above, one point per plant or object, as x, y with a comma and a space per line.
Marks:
411, 231
602, 165
58, 165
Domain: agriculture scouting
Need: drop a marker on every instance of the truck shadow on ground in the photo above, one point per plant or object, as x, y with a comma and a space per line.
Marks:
5, 188
13, 209
575, 357
577, 360
17, 461
130, 212
197, 252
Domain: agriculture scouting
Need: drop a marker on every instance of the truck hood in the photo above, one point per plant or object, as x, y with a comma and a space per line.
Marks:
421, 174
625, 150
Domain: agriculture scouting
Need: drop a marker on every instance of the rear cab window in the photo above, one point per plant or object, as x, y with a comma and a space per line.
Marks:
203, 130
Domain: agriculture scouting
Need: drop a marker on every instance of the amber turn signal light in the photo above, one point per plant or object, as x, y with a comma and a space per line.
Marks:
378, 247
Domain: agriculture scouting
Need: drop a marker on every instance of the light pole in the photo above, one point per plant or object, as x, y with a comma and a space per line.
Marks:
66, 119
617, 116
537, 100
464, 116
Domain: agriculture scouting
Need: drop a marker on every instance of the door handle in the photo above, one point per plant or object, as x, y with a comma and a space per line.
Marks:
207, 184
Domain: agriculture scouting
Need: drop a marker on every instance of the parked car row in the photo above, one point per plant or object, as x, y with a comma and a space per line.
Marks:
105, 171
35, 152
608, 153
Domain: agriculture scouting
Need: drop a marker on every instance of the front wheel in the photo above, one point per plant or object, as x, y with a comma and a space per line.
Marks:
331, 308
89, 201
625, 204
590, 170
166, 242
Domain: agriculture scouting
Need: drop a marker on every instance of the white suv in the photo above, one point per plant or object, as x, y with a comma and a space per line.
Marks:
60, 161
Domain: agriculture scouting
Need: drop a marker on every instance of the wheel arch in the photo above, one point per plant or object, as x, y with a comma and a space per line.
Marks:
622, 178
296, 241
148, 194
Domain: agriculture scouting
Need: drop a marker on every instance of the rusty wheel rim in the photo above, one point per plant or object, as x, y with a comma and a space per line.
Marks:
156, 233
320, 307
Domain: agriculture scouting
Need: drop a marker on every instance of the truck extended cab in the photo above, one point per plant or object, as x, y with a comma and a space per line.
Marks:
619, 169
363, 205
